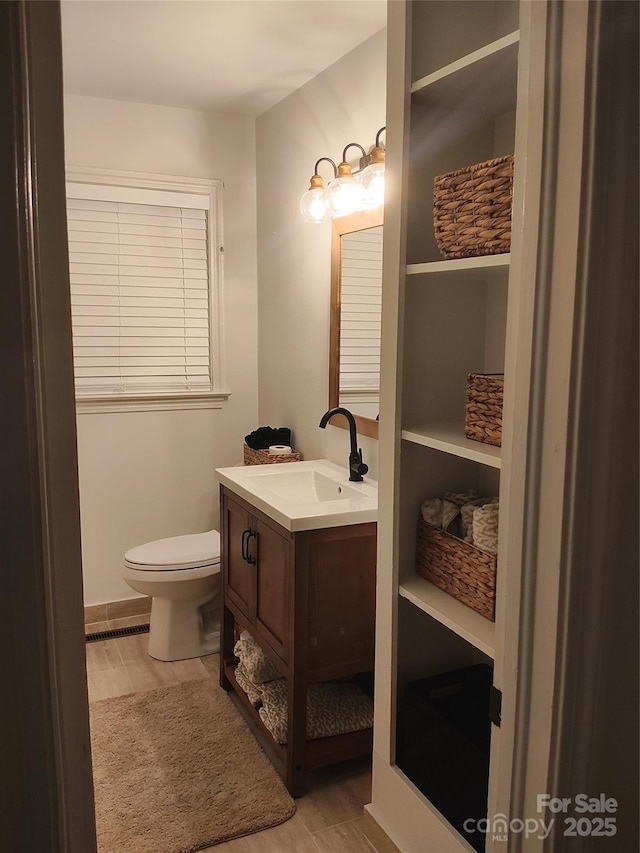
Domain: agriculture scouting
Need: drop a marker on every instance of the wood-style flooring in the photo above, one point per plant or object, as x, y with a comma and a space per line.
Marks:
328, 819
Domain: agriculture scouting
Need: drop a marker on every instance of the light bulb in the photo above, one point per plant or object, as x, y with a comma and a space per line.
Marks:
314, 204
372, 181
345, 195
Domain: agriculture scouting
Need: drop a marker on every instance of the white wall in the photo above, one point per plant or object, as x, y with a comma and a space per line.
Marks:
147, 475
346, 103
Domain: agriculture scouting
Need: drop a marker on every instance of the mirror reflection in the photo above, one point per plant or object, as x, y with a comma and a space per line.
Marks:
354, 381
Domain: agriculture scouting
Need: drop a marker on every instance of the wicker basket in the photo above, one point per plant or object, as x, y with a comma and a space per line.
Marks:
263, 457
472, 209
483, 410
460, 569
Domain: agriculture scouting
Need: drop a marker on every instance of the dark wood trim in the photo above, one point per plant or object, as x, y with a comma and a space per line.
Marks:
340, 226
330, 750
48, 788
298, 683
336, 670
275, 751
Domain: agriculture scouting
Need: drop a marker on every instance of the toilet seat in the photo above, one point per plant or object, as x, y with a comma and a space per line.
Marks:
177, 554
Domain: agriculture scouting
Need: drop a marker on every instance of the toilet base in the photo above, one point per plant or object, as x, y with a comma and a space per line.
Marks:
176, 631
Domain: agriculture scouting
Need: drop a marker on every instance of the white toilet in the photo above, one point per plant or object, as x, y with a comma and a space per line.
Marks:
182, 575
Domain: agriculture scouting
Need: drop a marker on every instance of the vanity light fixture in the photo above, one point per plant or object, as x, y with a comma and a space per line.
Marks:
345, 192
372, 176
349, 191
314, 204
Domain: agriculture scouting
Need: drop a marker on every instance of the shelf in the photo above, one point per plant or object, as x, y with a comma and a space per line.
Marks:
459, 618
450, 438
464, 269
483, 82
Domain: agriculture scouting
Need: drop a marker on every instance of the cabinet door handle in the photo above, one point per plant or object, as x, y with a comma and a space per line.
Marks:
245, 533
251, 560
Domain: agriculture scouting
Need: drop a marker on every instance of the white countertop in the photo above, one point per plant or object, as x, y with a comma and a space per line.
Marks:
304, 495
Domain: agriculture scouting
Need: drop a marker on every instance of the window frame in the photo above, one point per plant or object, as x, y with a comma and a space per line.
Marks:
158, 400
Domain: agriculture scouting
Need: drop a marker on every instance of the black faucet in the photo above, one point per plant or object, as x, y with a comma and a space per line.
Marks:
356, 466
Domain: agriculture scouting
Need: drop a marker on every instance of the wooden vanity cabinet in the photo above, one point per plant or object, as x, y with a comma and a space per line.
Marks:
258, 595
308, 599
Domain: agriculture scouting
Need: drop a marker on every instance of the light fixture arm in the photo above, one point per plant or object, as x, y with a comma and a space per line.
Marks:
329, 160
316, 181
378, 136
353, 145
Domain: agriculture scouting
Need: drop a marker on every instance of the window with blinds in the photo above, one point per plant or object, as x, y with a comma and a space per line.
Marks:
360, 315
140, 274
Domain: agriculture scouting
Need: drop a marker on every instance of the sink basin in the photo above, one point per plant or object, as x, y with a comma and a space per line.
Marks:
304, 495
307, 486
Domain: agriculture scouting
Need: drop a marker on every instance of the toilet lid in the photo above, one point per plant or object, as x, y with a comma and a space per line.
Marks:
177, 552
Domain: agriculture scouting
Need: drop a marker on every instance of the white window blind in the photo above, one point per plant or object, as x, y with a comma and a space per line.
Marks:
139, 264
360, 313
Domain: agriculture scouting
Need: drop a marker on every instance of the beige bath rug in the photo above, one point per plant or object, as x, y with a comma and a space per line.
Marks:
177, 769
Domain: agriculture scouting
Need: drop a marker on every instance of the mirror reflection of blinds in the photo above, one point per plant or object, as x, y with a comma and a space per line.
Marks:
139, 277
360, 311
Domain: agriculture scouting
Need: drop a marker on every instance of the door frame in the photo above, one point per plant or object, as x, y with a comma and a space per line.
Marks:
571, 629
47, 779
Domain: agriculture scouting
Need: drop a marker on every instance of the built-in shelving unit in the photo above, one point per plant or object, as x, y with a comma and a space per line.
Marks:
450, 438
468, 269
463, 621
461, 96
483, 81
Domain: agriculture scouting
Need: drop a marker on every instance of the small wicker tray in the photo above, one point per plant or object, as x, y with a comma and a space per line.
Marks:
460, 569
483, 410
472, 209
263, 457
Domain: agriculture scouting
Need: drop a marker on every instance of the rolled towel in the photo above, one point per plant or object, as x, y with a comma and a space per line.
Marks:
466, 516
485, 527
256, 665
451, 517
441, 513
431, 510
263, 437
461, 498
253, 691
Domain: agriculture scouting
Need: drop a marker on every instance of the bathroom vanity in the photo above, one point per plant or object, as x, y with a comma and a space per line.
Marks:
300, 578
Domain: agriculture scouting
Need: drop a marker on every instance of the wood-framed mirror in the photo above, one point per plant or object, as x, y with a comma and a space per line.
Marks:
356, 302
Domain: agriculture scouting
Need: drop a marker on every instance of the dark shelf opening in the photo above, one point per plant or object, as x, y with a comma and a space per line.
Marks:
443, 739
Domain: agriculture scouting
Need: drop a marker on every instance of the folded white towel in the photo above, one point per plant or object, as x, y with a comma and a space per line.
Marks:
333, 708
431, 510
255, 663
253, 691
485, 527
457, 513
466, 513
440, 513
461, 498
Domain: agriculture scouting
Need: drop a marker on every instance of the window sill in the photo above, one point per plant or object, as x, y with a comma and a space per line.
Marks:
151, 402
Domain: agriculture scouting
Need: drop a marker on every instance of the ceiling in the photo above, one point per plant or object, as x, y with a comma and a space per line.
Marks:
233, 56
